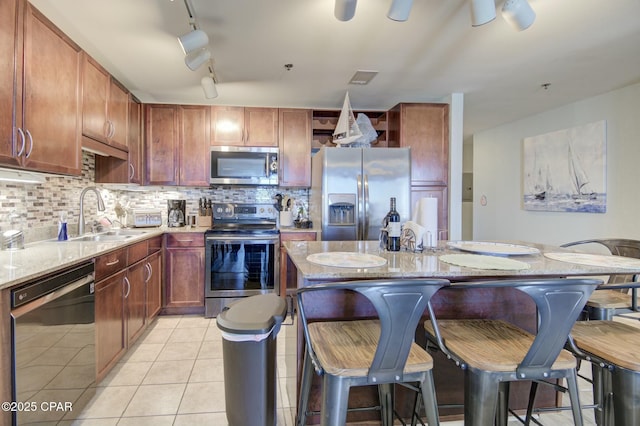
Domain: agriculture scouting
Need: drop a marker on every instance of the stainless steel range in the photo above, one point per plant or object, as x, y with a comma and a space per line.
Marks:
242, 254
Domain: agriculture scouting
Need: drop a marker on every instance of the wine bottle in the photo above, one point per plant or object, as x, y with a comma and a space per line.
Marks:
393, 228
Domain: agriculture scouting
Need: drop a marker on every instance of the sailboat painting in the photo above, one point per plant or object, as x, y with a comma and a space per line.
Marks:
565, 171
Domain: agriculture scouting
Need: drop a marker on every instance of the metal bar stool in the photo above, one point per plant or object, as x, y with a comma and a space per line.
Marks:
368, 352
612, 349
494, 353
604, 304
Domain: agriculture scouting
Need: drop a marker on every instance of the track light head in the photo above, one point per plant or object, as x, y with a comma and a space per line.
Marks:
518, 13
345, 10
196, 59
482, 11
192, 41
400, 10
209, 87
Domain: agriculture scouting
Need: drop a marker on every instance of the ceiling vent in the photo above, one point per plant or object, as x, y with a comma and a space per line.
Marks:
363, 77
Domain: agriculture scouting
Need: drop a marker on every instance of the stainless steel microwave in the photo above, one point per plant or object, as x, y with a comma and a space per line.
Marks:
244, 165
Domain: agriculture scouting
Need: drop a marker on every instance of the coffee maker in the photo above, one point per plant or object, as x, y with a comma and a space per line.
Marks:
176, 213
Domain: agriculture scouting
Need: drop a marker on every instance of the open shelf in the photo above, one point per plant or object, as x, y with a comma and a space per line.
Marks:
324, 123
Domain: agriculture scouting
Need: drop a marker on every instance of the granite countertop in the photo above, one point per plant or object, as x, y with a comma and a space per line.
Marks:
48, 256
429, 263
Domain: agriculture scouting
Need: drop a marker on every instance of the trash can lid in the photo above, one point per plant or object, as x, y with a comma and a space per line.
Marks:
252, 315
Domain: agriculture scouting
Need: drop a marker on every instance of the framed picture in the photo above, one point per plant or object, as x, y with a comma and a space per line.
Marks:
565, 171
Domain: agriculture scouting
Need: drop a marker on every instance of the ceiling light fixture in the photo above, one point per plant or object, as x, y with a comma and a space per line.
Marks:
192, 41
400, 10
518, 13
197, 59
345, 10
194, 46
209, 86
482, 11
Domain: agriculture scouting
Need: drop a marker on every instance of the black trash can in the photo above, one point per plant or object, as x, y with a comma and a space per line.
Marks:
249, 330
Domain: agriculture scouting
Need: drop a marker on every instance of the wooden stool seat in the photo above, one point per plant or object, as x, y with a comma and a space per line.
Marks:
609, 299
348, 347
615, 342
492, 345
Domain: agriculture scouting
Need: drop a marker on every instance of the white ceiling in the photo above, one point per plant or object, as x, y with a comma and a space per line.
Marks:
580, 47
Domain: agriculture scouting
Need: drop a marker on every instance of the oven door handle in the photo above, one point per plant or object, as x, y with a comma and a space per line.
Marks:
221, 239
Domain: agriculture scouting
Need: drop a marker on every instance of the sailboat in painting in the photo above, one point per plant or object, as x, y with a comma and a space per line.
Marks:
580, 180
347, 129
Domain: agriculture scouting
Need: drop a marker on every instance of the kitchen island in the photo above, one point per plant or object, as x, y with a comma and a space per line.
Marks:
503, 303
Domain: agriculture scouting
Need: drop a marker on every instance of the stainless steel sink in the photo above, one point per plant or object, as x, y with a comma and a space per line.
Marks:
113, 235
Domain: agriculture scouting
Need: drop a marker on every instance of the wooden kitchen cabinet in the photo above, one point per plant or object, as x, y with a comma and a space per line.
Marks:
112, 169
240, 126
184, 273
295, 147
287, 273
105, 106
128, 286
177, 145
424, 127
40, 104
109, 315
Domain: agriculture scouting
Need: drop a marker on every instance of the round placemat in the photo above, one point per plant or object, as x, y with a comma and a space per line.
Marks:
480, 261
343, 259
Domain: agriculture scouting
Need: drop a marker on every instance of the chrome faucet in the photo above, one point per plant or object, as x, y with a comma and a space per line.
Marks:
81, 223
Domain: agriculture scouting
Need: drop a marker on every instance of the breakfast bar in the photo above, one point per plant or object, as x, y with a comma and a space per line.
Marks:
331, 261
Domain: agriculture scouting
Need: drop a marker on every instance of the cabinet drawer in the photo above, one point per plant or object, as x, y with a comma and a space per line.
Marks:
182, 239
298, 236
137, 251
109, 263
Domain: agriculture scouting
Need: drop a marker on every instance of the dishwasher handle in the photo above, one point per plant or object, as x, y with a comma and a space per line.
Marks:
56, 294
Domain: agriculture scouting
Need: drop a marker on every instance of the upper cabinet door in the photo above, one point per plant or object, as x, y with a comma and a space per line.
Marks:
261, 126
161, 127
95, 90
118, 115
227, 126
51, 101
295, 147
194, 145
8, 67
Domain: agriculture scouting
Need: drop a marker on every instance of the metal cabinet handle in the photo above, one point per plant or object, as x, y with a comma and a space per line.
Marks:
115, 262
133, 171
113, 129
126, 280
150, 271
24, 141
30, 144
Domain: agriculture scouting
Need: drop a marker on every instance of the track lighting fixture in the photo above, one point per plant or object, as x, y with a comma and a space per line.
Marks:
482, 11
192, 41
197, 59
209, 87
345, 10
518, 13
399, 10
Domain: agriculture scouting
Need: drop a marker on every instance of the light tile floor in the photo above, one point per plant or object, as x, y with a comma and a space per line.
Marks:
173, 375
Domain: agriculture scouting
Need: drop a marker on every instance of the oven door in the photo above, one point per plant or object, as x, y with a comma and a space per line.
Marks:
239, 266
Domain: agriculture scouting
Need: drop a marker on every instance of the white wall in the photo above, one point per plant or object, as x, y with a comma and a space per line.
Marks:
497, 168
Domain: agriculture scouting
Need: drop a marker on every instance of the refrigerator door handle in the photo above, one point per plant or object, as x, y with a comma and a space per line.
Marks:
365, 230
359, 206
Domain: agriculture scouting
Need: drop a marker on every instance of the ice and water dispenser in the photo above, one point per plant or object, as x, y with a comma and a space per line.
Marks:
341, 217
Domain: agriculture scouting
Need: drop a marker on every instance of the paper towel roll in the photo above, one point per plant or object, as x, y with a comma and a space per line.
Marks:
426, 215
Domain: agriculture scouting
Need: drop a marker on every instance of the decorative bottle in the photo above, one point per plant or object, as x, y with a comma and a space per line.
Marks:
393, 227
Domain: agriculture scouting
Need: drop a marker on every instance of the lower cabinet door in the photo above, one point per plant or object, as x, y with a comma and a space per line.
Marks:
109, 306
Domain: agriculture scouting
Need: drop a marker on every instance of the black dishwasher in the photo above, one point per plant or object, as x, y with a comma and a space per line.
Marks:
53, 351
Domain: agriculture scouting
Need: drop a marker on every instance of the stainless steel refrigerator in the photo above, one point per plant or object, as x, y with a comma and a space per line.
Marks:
351, 189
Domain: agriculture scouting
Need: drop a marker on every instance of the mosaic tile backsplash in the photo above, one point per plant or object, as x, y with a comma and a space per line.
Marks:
37, 208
